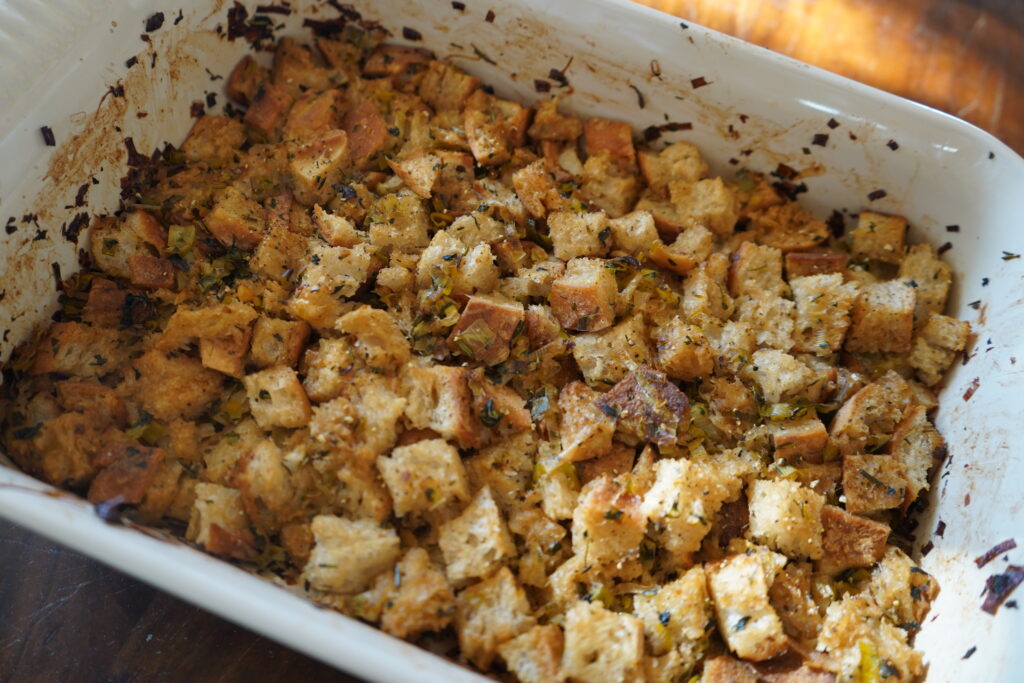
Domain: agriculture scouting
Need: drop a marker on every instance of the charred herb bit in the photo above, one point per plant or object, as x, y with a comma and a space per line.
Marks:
71, 231
489, 17
877, 482
480, 53
833, 124
683, 25
785, 172
640, 101
976, 304
274, 9
541, 85
411, 34
994, 552
154, 22
558, 75
893, 145
48, 136
1010, 256
459, 6
998, 587
131, 61
820, 139
940, 530
614, 514
211, 99
698, 82
952, 228
877, 194
490, 415
836, 224
11, 226
970, 651
971, 388
740, 625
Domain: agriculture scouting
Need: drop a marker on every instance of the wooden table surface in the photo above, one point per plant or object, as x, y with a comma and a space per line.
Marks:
68, 618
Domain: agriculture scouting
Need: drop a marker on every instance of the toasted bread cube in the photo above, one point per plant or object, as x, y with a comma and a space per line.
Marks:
872, 483
634, 232
691, 248
549, 124
486, 327
348, 553
268, 109
278, 342
615, 137
803, 438
823, 304
173, 386
337, 231
853, 632
678, 161
786, 516
215, 139
609, 184
534, 656
607, 525
367, 132
296, 69
235, 220
276, 398
538, 279
494, 127
802, 264
327, 368
218, 522
438, 258
424, 476
313, 114
266, 486
918, 446
578, 234
586, 430
666, 219
477, 228
401, 221
793, 600
490, 613
608, 356
648, 406
505, 468
439, 398
80, 350
394, 60
105, 304
883, 318
710, 203
850, 540
789, 227
739, 588
936, 347
726, 669
683, 500
779, 374
446, 88
601, 646
245, 80
870, 416
332, 273
771, 318
931, 279
377, 338
583, 299
706, 295
424, 600
902, 590
419, 173
683, 352
879, 236
127, 472
315, 167
676, 616
476, 542
756, 269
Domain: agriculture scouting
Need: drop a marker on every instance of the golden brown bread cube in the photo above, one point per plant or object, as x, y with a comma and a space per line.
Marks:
691, 248
882, 318
424, 600
756, 268
606, 357
276, 398
586, 430
739, 589
600, 645
424, 476
802, 264
267, 110
936, 346
490, 613
683, 351
873, 482
534, 656
235, 220
486, 328
607, 524
214, 139
445, 87
245, 80
786, 516
349, 553
789, 227
609, 184
278, 342
850, 540
615, 137
679, 161
583, 298
550, 124
879, 236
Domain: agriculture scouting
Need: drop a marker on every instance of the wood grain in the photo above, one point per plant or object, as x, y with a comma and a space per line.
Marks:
66, 617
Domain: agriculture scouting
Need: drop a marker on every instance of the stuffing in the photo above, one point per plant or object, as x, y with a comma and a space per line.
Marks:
347, 554
882, 319
490, 613
879, 237
476, 542
601, 645
936, 347
578, 234
583, 298
276, 398
424, 476
606, 357
739, 590
786, 516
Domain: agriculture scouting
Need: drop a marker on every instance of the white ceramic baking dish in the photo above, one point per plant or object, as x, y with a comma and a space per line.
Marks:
59, 58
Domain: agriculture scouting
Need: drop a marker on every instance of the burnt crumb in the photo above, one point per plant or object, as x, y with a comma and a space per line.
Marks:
213, 76
274, 9
927, 548
326, 28
820, 139
116, 90
744, 118
833, 124
806, 150
74, 227
893, 145
144, 37
877, 194
998, 587
940, 530
131, 61
640, 101
48, 138
853, 137
944, 248
952, 228
178, 19
970, 651
211, 100
489, 89
197, 110
540, 85
489, 17
459, 6
10, 227
971, 388
984, 282
411, 34
558, 75
683, 26
994, 552
40, 235
746, 152
83, 190
991, 155
784, 172
836, 224
57, 279
152, 60
699, 82
734, 161
154, 22
654, 132
255, 31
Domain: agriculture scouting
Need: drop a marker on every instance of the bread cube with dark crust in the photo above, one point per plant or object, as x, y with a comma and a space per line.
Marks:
648, 406
80, 350
936, 347
789, 227
804, 263
803, 438
850, 540
446, 88
486, 327
394, 60
882, 318
679, 161
586, 430
314, 114
583, 299
439, 398
550, 124
872, 483
278, 342
101, 403
127, 471
235, 220
367, 133
150, 272
268, 110
245, 80
879, 236
214, 139
918, 446
611, 136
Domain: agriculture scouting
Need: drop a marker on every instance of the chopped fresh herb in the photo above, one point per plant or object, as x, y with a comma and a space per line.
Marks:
740, 625
994, 552
480, 53
665, 617
614, 514
490, 415
1010, 256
